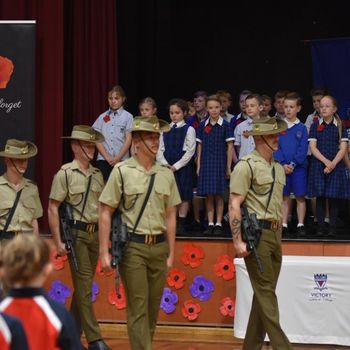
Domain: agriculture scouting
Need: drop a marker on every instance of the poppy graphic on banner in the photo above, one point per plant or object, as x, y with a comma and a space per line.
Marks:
6, 69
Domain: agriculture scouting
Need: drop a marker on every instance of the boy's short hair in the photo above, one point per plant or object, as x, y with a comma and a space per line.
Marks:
200, 93
213, 98
293, 96
118, 90
318, 92
224, 93
281, 94
266, 97
256, 96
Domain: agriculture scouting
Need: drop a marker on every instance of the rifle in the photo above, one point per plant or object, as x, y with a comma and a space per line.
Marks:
119, 239
65, 212
251, 233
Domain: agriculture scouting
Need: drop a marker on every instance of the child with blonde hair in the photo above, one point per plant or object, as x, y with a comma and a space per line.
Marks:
25, 263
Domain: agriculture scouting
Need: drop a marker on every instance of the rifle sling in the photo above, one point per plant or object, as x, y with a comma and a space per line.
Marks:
12, 211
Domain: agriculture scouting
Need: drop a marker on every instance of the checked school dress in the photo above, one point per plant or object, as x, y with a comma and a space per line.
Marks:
174, 142
334, 184
212, 174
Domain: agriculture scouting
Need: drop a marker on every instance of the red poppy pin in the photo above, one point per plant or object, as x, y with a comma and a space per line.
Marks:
208, 128
315, 119
283, 132
225, 268
190, 310
176, 278
106, 118
195, 124
192, 255
227, 307
321, 127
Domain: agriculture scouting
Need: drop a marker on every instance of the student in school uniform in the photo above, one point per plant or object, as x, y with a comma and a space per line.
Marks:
176, 151
215, 147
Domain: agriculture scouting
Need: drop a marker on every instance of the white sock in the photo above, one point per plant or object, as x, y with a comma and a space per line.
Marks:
300, 224
218, 224
210, 224
285, 225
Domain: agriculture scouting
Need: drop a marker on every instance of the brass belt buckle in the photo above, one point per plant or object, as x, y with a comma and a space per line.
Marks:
90, 228
275, 225
149, 239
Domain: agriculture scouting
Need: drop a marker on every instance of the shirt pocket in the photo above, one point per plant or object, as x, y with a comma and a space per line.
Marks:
131, 194
29, 206
76, 194
5, 207
262, 184
162, 191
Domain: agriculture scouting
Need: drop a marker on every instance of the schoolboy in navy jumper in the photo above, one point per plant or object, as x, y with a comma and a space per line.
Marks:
292, 154
215, 147
176, 151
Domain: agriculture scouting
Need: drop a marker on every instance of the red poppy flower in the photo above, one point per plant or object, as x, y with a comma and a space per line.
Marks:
176, 278
57, 261
246, 133
195, 124
239, 121
106, 118
192, 255
321, 127
119, 300
225, 268
208, 128
283, 132
191, 310
315, 119
227, 307
101, 273
6, 69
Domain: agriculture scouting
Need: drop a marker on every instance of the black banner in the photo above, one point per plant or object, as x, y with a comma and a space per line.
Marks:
17, 83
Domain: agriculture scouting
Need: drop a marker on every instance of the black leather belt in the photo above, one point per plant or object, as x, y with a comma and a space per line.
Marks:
84, 226
7, 234
147, 239
270, 224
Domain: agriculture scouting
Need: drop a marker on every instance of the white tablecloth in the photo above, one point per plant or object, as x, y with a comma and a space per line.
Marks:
313, 295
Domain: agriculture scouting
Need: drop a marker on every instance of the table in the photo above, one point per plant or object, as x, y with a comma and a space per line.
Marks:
313, 295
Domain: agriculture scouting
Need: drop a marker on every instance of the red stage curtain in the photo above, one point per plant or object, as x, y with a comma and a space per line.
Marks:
94, 57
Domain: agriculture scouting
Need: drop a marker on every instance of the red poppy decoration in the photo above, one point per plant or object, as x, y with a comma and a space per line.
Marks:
315, 119
192, 255
227, 307
106, 118
208, 128
195, 124
225, 268
57, 261
101, 273
119, 300
246, 133
176, 278
283, 132
321, 127
191, 310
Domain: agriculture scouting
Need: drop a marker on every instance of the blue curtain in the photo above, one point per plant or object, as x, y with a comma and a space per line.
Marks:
331, 70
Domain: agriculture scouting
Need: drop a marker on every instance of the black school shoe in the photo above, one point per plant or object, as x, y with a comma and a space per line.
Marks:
98, 345
218, 231
301, 232
209, 231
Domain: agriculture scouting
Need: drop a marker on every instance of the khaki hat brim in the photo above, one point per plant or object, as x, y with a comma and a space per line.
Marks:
281, 126
97, 139
160, 126
32, 152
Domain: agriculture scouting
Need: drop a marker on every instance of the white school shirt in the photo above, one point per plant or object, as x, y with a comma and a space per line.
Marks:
114, 130
189, 147
247, 144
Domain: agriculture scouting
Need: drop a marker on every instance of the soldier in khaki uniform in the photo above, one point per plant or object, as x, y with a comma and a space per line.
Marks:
80, 184
150, 251
28, 209
252, 180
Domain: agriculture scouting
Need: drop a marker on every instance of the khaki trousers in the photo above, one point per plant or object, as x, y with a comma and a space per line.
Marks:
264, 314
143, 273
86, 250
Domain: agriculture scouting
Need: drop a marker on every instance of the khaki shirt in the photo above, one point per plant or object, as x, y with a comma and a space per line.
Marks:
73, 189
135, 183
28, 208
257, 195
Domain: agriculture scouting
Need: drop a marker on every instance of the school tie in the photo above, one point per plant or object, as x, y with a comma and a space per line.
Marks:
174, 126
